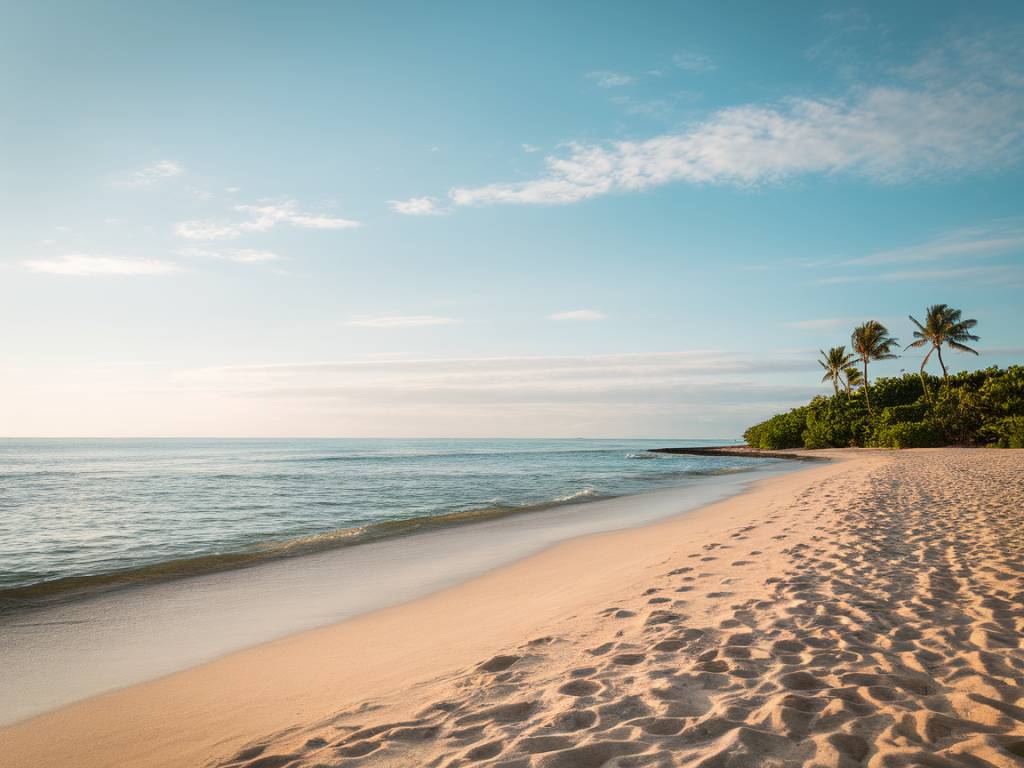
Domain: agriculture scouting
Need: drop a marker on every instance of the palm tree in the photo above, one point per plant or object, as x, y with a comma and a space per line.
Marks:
942, 325
853, 378
834, 362
871, 341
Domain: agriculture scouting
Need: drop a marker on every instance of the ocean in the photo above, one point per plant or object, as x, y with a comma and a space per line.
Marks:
78, 514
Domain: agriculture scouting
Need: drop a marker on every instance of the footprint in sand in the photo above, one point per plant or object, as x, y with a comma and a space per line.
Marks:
580, 688
499, 663
628, 659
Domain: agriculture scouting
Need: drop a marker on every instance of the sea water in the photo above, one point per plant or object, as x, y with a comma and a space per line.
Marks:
81, 513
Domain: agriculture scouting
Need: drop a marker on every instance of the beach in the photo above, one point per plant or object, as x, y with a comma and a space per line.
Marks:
864, 611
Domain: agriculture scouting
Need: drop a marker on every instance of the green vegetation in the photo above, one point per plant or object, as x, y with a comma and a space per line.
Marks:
920, 410
871, 341
836, 363
942, 325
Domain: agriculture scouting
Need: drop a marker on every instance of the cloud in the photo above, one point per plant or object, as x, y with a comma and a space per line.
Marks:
578, 314
698, 378
261, 219
975, 242
843, 41
955, 112
693, 62
85, 265
654, 108
606, 79
200, 194
237, 255
266, 217
416, 206
401, 321
207, 229
823, 324
529, 148
152, 174
1003, 274
697, 393
692, 362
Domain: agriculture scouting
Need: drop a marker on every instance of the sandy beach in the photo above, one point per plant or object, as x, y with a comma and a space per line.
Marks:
866, 611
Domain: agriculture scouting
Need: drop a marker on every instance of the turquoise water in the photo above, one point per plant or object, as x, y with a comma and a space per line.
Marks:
73, 512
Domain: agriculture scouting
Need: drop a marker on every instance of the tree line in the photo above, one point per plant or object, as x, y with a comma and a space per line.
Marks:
869, 341
913, 410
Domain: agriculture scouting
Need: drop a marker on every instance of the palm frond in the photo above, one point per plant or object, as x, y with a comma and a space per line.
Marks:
960, 347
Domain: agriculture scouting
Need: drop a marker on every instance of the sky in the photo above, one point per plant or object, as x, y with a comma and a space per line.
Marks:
582, 219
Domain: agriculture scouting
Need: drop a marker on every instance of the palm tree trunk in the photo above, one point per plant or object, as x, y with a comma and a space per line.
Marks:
945, 373
867, 389
924, 384
835, 385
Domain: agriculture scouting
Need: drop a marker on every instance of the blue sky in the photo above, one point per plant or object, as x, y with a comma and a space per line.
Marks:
411, 219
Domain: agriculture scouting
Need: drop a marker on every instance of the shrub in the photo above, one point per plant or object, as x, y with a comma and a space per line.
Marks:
956, 413
834, 422
781, 431
902, 390
901, 414
985, 406
908, 434
1002, 393
1006, 433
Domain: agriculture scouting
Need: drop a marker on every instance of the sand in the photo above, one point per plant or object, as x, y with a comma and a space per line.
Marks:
862, 612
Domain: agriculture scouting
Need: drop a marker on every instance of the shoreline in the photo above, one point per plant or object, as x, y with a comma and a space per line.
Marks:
101, 642
741, 451
828, 616
54, 591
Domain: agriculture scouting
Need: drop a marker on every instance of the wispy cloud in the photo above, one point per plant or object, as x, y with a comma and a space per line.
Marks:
697, 362
578, 314
85, 265
401, 321
842, 31
697, 393
708, 378
529, 148
266, 217
960, 111
990, 274
608, 79
151, 174
417, 206
975, 242
693, 62
207, 229
261, 218
821, 324
200, 194
237, 255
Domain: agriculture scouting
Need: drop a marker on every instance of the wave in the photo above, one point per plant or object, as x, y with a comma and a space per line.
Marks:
586, 493
72, 586
438, 455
